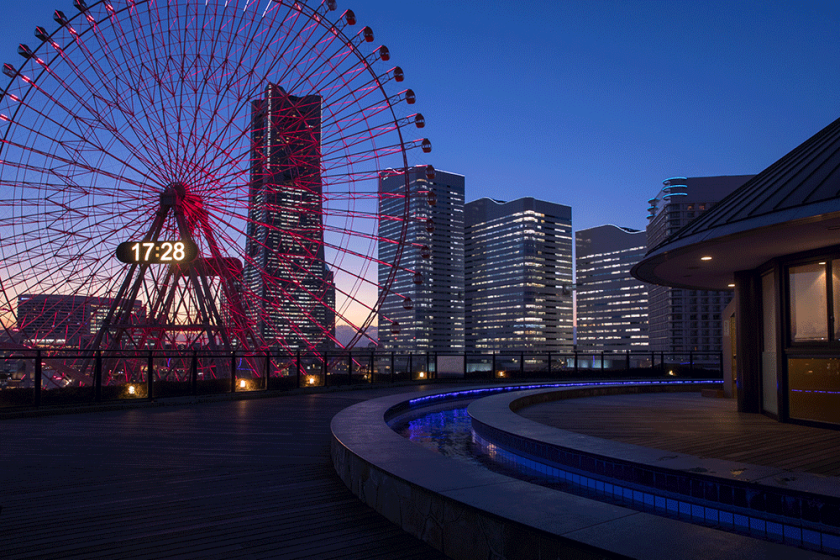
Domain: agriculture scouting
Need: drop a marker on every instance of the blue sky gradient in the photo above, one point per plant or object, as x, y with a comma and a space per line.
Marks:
593, 103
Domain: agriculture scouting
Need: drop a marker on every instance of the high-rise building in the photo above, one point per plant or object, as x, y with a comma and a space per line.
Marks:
686, 320
288, 283
612, 306
518, 260
424, 309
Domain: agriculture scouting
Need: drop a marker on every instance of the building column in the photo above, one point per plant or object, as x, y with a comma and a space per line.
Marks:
748, 340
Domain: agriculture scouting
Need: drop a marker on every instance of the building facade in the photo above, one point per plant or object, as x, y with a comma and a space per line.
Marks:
612, 306
774, 241
66, 320
518, 271
423, 311
289, 293
686, 321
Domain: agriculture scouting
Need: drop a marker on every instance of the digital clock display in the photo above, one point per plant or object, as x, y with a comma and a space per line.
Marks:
160, 252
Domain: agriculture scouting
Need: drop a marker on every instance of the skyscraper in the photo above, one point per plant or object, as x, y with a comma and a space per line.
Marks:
518, 260
612, 306
287, 280
424, 309
686, 320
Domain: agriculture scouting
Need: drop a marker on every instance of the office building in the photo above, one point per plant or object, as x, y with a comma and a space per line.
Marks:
774, 241
65, 320
287, 283
424, 309
612, 306
518, 259
686, 320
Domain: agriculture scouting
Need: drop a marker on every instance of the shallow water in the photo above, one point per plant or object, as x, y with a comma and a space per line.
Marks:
446, 428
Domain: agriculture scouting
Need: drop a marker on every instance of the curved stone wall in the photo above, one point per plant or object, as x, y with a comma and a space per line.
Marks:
470, 513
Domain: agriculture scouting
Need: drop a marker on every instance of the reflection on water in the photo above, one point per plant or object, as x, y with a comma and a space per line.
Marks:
446, 428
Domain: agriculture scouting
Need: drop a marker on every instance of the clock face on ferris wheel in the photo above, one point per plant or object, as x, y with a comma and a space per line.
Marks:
157, 252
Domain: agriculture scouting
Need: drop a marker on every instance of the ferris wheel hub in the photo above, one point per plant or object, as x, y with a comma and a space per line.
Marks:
173, 194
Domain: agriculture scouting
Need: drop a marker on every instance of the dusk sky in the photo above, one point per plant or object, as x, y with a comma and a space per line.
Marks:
592, 104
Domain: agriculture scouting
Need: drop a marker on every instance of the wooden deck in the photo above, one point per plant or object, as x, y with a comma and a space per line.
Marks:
695, 425
225, 480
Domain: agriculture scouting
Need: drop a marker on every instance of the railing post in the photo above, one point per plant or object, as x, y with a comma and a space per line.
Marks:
267, 368
627, 360
410, 366
194, 372
465, 364
549, 364
325, 367
602, 363
233, 371
428, 369
150, 377
97, 377
521, 365
691, 364
662, 362
720, 364
349, 367
36, 397
297, 368
392, 366
436, 367
652, 361
576, 362
493, 369
370, 371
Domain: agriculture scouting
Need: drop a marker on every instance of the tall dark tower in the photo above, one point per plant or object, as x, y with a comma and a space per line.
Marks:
290, 289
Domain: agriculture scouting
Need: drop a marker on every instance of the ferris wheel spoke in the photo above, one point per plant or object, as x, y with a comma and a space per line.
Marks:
107, 80
140, 122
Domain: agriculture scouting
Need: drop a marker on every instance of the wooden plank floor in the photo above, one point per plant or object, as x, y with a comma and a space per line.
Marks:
227, 480
695, 425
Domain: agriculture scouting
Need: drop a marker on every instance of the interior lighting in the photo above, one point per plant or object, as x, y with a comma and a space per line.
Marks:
421, 375
707, 258
730, 285
131, 389
241, 383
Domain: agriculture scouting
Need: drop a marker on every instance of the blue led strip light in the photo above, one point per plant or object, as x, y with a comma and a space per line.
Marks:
798, 530
666, 505
474, 393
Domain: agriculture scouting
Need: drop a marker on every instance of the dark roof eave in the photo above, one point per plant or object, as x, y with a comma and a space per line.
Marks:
746, 233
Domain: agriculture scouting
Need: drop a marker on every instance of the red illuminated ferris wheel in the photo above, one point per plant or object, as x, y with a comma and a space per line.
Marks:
199, 173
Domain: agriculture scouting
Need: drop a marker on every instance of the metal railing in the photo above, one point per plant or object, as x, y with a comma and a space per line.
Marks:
38, 377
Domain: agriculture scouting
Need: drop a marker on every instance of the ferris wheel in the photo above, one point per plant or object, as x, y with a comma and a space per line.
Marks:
199, 173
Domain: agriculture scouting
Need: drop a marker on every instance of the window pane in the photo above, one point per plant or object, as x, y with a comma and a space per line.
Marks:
808, 303
835, 267
814, 385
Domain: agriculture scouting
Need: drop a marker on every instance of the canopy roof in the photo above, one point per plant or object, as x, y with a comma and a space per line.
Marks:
790, 207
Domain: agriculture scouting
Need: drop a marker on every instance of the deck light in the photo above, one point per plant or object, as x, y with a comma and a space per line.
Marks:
131, 389
241, 383
705, 258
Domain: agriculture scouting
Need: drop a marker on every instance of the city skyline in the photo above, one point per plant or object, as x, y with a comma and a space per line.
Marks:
578, 100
